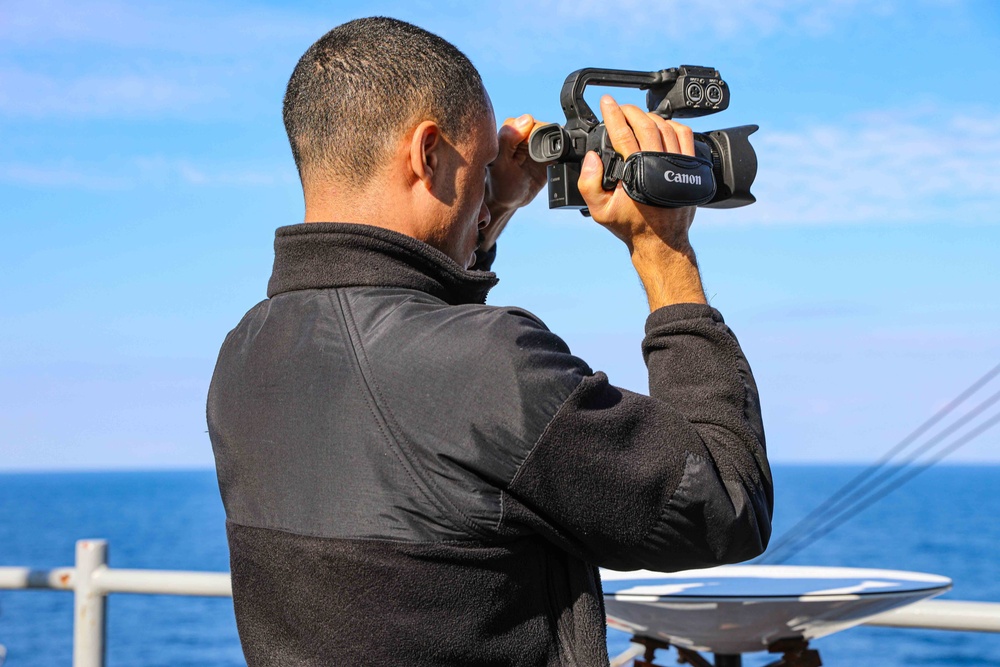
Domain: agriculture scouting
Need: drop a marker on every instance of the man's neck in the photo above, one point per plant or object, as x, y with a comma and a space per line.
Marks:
375, 206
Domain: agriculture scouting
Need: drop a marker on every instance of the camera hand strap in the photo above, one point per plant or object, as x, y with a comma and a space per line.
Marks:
667, 180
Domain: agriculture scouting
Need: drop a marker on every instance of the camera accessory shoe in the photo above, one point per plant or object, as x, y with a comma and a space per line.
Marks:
667, 180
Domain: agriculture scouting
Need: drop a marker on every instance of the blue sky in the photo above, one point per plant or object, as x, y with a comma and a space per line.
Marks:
143, 169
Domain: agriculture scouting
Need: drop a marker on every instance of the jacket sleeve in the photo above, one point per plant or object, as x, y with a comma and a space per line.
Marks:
675, 480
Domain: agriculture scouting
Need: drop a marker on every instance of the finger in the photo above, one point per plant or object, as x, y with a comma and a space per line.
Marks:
621, 135
589, 183
685, 135
508, 137
646, 131
537, 124
515, 131
670, 139
513, 137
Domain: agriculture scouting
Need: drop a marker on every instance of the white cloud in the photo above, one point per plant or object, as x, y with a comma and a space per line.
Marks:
881, 167
112, 59
673, 21
25, 93
212, 27
178, 27
723, 18
59, 176
142, 172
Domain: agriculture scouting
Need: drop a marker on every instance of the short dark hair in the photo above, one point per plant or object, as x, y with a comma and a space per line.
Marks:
354, 91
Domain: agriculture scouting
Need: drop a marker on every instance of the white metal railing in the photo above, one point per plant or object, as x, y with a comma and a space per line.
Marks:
91, 580
943, 615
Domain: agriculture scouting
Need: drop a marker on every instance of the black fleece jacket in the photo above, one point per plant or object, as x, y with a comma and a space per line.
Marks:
414, 478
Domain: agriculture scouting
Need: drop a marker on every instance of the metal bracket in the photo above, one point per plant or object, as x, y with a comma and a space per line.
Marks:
686, 656
651, 646
796, 654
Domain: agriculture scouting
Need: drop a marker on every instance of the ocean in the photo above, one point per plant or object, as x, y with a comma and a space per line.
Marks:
945, 521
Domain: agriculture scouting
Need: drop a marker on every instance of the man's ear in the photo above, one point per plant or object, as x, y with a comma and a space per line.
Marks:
425, 152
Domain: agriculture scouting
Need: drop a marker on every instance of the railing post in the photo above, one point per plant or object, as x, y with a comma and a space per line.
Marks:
89, 604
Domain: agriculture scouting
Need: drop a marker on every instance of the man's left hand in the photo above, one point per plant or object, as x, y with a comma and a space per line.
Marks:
514, 178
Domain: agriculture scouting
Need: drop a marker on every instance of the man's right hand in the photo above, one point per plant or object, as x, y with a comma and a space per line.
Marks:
657, 238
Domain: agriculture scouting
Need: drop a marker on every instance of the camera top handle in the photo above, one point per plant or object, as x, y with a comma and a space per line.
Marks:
578, 112
702, 92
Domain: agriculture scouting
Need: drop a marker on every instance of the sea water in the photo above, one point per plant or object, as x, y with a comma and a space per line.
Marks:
945, 521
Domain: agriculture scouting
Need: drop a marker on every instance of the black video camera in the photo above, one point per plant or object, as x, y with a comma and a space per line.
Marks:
718, 176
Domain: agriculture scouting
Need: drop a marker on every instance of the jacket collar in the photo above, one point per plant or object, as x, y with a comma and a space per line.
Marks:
318, 255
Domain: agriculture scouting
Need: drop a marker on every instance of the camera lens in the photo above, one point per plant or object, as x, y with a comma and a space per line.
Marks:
695, 93
555, 145
713, 93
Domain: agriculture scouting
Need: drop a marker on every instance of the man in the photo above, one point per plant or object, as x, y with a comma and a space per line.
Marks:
412, 477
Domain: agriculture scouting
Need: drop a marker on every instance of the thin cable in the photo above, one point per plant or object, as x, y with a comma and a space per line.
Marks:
837, 497
913, 472
857, 497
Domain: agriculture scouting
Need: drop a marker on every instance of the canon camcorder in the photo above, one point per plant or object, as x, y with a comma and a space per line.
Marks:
719, 175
